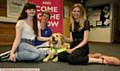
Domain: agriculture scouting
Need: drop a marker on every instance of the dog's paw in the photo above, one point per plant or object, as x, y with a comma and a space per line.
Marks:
45, 60
55, 59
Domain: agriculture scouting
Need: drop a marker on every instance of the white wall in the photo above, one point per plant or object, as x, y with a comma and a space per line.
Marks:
100, 34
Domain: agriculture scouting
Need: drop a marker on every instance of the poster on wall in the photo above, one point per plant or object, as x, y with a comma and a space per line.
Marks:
14, 7
99, 16
55, 7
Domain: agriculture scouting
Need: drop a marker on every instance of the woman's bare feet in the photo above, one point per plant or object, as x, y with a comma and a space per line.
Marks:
95, 55
110, 60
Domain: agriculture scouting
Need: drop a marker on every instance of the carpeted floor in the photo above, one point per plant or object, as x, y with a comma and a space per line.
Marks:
107, 49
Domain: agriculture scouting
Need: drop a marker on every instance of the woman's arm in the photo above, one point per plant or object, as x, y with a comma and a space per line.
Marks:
15, 43
84, 41
40, 38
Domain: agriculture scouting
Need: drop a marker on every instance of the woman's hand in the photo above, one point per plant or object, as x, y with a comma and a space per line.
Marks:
12, 57
70, 50
50, 40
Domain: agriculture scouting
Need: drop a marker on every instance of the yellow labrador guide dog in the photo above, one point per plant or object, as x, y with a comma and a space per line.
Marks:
57, 45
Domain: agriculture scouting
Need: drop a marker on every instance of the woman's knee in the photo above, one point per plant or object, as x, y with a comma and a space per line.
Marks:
27, 56
71, 59
34, 56
63, 56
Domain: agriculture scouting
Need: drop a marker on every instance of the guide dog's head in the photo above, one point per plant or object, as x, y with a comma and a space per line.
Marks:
57, 40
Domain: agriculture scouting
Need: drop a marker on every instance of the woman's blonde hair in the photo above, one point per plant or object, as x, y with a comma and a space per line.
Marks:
83, 16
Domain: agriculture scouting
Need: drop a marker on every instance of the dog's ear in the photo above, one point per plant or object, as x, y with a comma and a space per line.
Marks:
62, 40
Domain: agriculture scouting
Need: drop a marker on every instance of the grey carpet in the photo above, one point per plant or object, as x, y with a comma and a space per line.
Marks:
107, 49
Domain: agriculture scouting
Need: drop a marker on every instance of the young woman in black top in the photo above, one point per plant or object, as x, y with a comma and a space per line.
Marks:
79, 49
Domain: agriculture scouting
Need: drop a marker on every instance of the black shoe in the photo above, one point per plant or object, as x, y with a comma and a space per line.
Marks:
4, 58
5, 53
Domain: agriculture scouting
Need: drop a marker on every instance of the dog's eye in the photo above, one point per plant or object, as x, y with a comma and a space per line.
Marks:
56, 35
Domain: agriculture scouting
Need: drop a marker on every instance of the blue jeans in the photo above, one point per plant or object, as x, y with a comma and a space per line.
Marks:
27, 51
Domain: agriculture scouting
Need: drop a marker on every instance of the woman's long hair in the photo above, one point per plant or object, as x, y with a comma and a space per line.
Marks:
83, 16
23, 15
